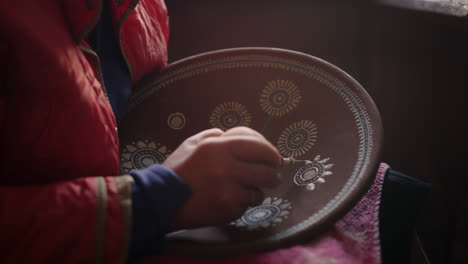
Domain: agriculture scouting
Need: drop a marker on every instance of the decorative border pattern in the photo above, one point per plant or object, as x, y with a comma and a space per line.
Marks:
352, 101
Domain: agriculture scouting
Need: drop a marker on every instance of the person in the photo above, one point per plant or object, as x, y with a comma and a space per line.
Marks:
67, 68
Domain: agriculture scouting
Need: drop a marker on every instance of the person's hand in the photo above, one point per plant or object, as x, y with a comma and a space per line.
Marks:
225, 171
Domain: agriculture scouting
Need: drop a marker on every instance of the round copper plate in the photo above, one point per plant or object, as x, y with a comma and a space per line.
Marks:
308, 108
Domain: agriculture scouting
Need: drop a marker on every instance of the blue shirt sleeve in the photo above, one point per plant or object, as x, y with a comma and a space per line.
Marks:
116, 75
156, 195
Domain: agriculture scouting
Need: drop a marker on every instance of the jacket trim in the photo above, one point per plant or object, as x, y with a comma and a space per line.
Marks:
85, 31
124, 188
96, 65
122, 19
101, 219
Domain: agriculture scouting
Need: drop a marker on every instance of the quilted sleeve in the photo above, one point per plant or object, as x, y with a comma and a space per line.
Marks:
85, 220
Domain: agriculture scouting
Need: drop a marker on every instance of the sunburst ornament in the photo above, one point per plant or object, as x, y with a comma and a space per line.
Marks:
298, 138
279, 97
270, 213
230, 114
142, 154
313, 173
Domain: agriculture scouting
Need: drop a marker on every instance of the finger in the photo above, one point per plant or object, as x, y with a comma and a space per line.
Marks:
255, 175
242, 131
213, 132
254, 150
210, 132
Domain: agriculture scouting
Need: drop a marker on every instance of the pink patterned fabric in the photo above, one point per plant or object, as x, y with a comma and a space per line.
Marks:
354, 239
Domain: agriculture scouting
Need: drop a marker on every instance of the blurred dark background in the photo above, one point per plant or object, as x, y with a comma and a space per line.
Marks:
413, 63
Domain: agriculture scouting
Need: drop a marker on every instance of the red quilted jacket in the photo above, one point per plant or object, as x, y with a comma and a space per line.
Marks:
61, 200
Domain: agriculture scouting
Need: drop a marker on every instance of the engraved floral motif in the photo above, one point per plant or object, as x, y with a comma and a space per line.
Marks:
141, 154
176, 121
279, 97
270, 213
298, 138
230, 114
313, 173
